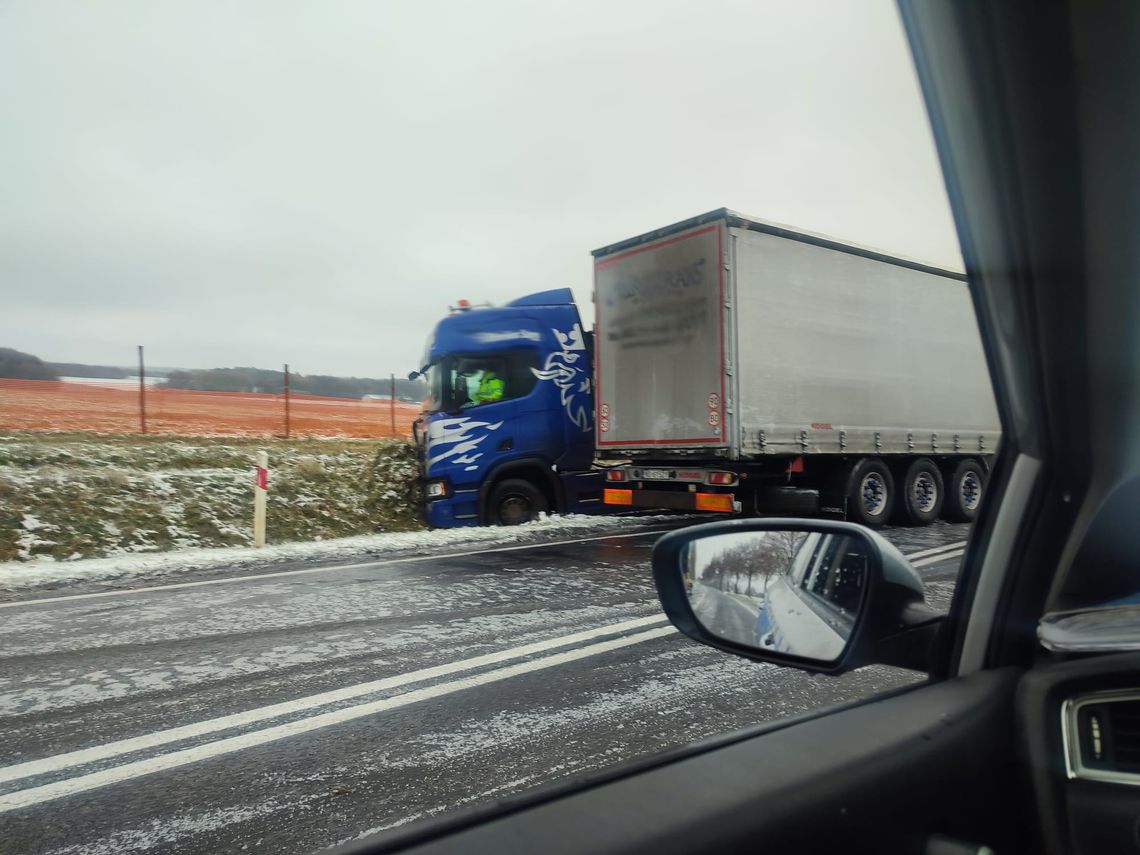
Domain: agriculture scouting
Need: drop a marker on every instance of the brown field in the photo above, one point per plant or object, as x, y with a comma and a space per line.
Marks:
61, 406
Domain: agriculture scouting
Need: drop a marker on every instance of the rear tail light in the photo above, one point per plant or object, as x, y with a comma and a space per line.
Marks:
722, 478
615, 475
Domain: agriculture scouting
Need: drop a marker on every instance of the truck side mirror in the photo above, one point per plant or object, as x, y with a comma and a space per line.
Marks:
809, 594
414, 375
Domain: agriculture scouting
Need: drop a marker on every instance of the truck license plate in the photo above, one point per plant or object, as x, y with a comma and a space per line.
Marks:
655, 474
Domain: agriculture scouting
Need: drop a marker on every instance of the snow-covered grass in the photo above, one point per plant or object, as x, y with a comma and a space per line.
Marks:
45, 573
68, 496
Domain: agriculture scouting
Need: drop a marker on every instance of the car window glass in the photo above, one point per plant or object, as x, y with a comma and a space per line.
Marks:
460, 382
262, 591
806, 551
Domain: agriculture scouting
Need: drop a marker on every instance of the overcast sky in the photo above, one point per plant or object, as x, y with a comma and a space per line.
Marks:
265, 182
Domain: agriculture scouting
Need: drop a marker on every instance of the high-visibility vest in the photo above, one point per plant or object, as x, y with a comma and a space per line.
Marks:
490, 389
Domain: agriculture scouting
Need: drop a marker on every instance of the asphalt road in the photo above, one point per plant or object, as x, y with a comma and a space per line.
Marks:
726, 615
293, 711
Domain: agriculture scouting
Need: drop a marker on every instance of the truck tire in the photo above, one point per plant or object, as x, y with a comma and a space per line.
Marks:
515, 501
869, 490
922, 496
965, 486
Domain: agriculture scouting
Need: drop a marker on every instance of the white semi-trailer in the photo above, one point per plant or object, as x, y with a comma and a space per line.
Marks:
737, 359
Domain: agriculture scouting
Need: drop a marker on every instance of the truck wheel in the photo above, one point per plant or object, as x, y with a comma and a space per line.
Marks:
922, 497
870, 492
515, 501
965, 484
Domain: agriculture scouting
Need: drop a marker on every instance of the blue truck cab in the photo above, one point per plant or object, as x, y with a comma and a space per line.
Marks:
507, 430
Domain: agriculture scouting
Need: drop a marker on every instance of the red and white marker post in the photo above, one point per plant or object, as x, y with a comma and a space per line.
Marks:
260, 486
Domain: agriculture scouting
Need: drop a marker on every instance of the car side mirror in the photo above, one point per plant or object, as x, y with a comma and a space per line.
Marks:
817, 595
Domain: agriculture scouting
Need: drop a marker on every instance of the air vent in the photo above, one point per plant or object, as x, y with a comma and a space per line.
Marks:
1102, 737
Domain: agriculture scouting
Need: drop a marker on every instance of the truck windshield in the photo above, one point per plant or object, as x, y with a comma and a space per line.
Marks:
434, 401
459, 382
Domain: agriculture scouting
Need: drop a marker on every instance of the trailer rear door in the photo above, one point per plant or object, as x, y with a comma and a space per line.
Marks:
659, 358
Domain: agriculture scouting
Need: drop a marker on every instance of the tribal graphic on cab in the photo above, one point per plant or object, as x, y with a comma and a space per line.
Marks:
569, 370
456, 439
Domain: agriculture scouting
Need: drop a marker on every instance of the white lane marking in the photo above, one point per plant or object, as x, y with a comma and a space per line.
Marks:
36, 795
934, 559
228, 580
188, 731
946, 547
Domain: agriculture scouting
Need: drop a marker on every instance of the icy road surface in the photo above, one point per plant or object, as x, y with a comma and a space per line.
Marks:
289, 710
22, 579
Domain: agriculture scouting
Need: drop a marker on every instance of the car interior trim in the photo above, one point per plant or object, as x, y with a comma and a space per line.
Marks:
1070, 737
996, 562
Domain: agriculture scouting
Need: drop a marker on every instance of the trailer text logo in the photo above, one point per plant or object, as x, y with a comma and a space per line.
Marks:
655, 284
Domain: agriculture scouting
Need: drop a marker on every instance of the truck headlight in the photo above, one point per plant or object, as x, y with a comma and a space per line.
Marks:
435, 489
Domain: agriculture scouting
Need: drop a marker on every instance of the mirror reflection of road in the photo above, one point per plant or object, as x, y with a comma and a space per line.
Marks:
727, 614
288, 712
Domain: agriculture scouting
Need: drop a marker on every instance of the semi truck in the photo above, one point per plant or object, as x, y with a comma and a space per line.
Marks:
507, 430
740, 364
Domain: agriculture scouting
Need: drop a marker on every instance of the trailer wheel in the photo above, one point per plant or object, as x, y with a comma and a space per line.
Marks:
965, 486
515, 501
870, 492
923, 493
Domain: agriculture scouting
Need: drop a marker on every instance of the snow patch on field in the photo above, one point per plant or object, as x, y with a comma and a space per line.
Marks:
23, 575
71, 496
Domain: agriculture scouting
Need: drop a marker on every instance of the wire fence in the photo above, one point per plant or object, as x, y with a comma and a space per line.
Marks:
115, 407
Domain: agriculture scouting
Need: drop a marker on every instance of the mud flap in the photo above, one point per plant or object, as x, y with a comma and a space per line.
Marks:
832, 505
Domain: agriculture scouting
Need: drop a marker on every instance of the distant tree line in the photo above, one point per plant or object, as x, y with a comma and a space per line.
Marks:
743, 568
264, 380
24, 366
76, 369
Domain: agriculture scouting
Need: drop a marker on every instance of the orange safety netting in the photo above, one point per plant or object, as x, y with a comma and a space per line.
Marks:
58, 405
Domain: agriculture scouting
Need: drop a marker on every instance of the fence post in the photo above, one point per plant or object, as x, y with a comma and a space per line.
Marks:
142, 391
260, 486
286, 400
392, 405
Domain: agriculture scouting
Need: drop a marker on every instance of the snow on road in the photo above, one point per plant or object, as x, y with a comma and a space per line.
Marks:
18, 576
